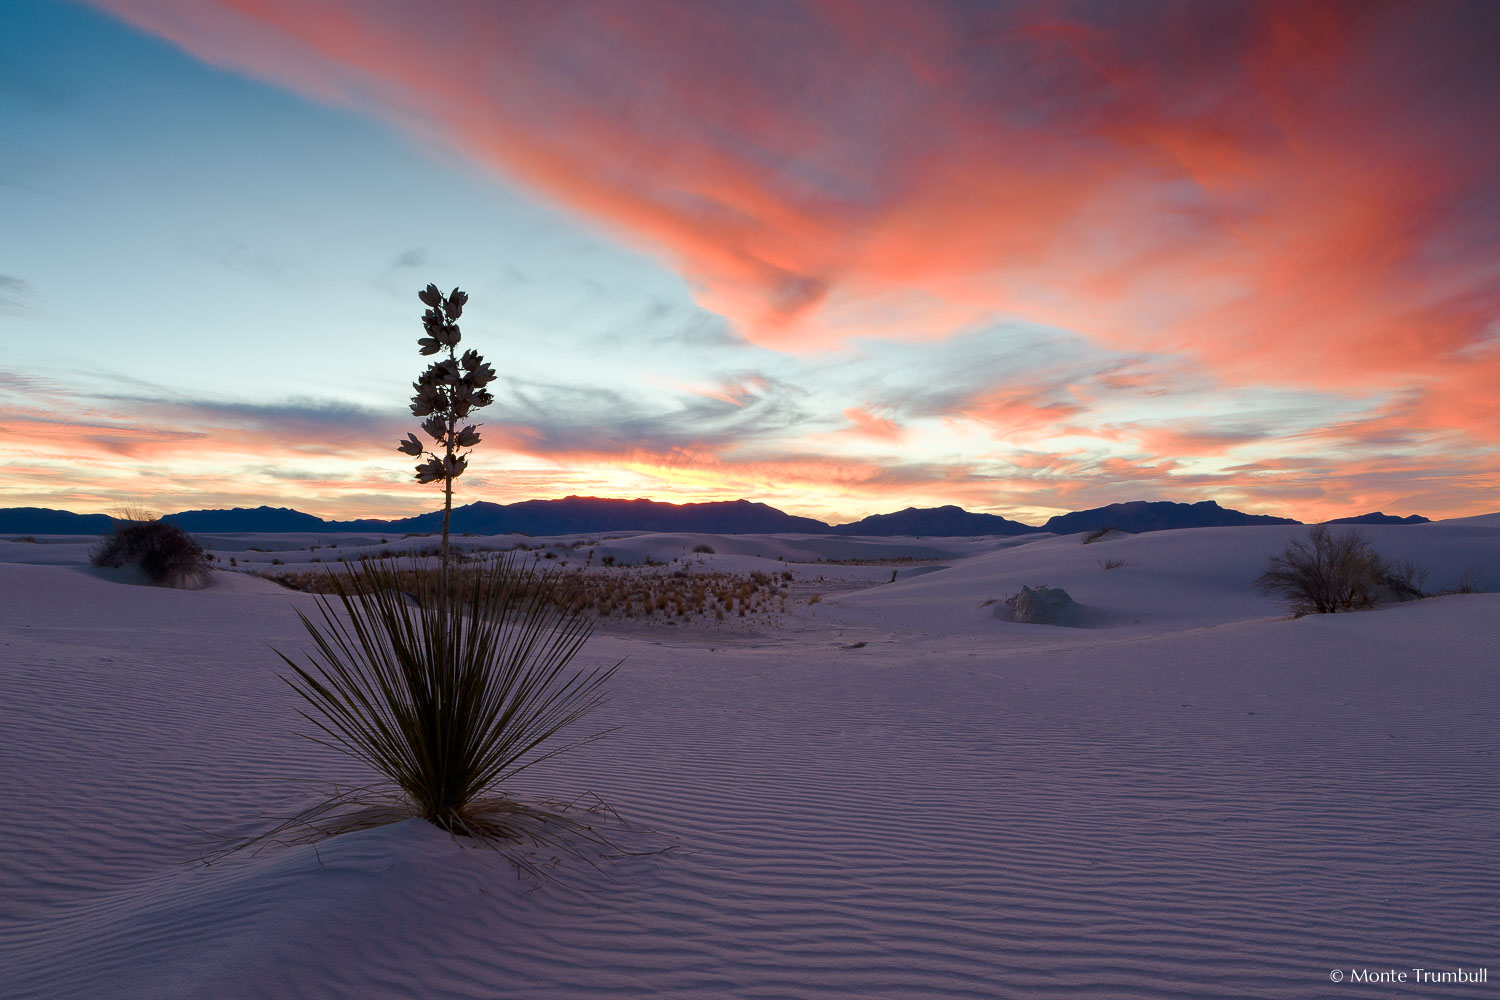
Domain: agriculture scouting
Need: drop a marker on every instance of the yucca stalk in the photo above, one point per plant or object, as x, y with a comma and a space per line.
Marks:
447, 392
447, 699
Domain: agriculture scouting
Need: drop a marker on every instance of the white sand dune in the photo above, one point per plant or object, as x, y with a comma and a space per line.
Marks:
891, 794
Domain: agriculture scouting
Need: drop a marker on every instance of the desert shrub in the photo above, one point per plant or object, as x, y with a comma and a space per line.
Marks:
1326, 573
1470, 581
1112, 563
1403, 581
168, 555
1098, 533
447, 697
707, 550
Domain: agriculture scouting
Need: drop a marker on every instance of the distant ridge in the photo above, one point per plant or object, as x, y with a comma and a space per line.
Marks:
1379, 518
45, 521
270, 519
577, 515
1161, 515
949, 520
574, 515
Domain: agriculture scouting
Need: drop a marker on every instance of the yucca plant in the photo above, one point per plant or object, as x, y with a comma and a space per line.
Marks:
446, 700
447, 694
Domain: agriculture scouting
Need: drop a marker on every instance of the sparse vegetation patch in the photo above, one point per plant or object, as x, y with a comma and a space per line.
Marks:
1470, 581
622, 593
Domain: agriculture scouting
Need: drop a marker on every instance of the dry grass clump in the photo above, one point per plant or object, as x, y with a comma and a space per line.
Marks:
416, 580
633, 593
620, 593
1470, 581
884, 561
166, 554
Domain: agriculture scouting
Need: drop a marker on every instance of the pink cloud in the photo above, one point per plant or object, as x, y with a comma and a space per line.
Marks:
1018, 409
869, 425
1279, 189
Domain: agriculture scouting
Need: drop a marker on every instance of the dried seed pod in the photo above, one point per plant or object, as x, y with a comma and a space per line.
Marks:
481, 374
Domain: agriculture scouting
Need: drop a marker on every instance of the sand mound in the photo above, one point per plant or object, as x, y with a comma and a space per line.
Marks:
1042, 606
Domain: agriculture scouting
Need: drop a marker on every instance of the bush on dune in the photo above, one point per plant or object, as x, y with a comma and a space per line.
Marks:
168, 555
1329, 573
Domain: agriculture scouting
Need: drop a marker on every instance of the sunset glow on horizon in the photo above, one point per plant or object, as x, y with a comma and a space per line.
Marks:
842, 258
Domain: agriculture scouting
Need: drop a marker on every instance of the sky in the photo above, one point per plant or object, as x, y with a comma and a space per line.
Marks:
842, 257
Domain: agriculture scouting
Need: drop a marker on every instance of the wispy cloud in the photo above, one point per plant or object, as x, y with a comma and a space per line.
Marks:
17, 296
868, 424
557, 421
241, 257
410, 259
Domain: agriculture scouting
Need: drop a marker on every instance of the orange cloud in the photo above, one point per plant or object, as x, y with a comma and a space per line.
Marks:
1287, 191
1185, 441
869, 425
1017, 410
